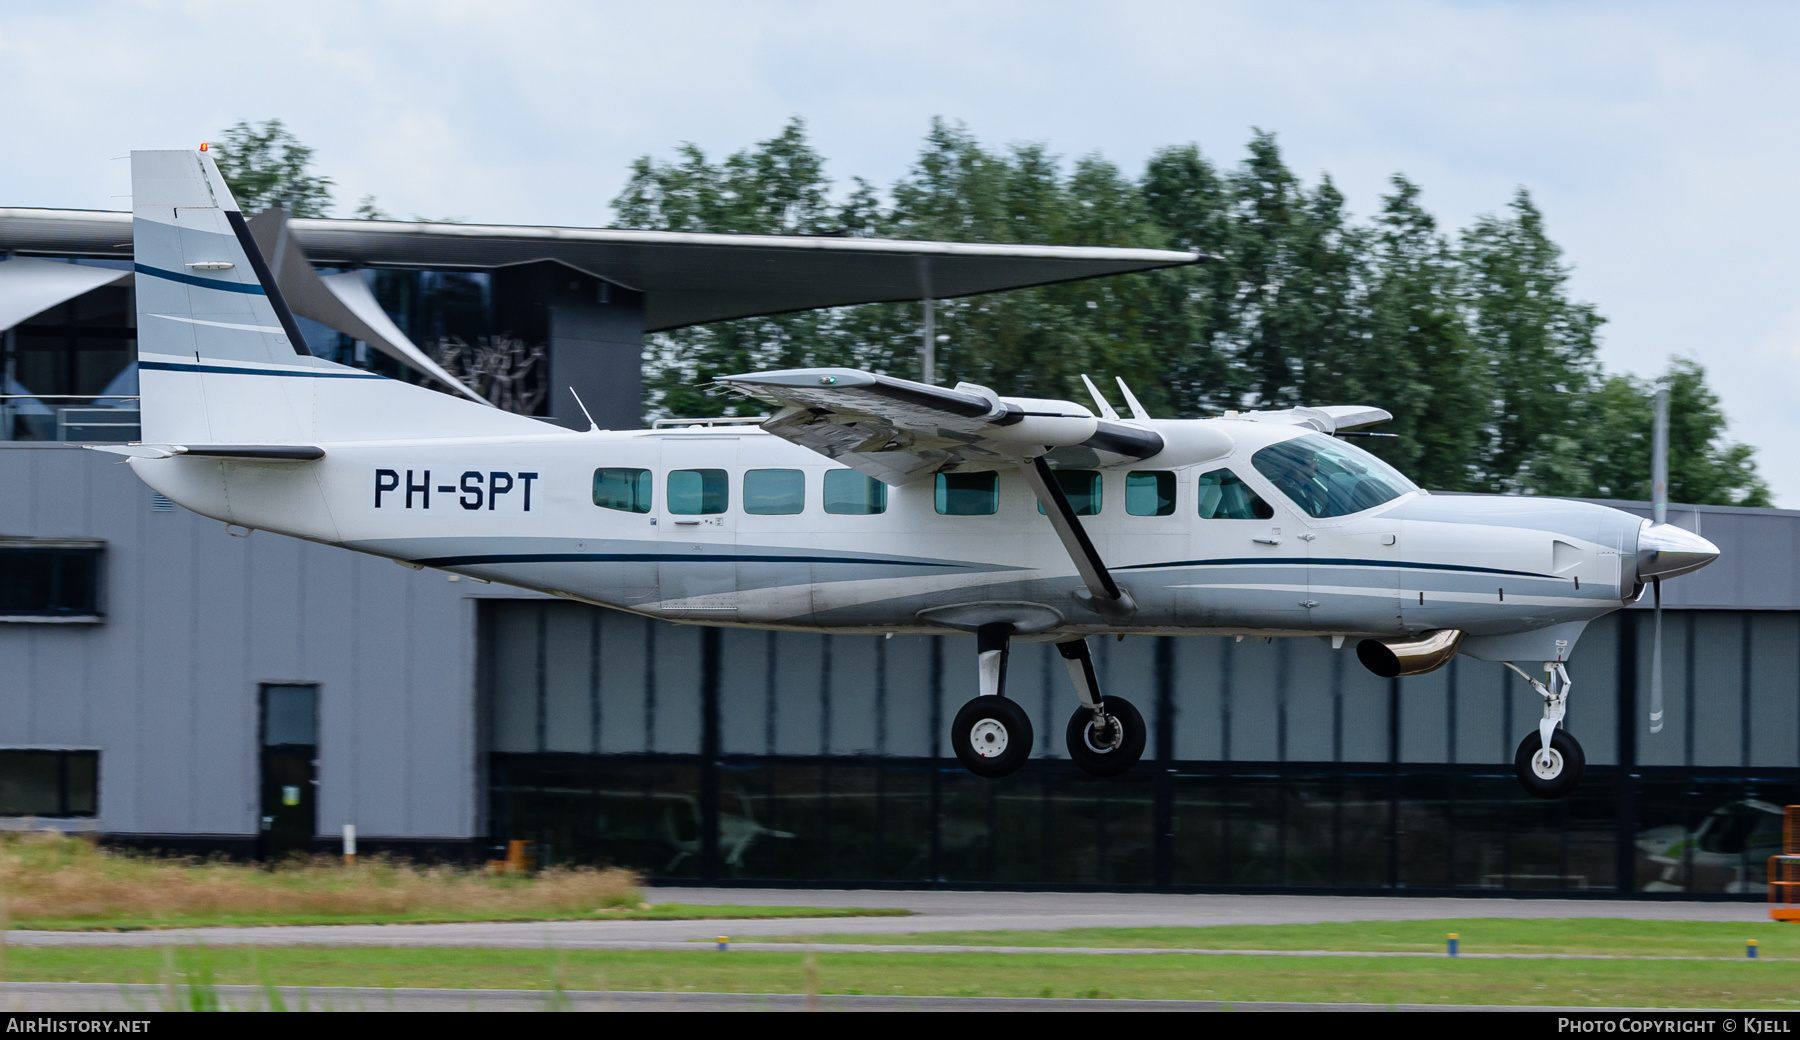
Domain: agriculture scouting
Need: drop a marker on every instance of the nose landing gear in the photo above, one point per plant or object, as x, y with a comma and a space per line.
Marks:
1549, 763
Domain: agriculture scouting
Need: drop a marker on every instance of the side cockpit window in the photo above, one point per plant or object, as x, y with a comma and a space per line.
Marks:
1224, 497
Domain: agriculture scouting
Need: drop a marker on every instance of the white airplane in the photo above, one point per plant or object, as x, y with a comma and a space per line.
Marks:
869, 504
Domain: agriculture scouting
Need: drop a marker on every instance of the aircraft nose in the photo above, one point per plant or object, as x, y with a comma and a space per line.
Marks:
1665, 551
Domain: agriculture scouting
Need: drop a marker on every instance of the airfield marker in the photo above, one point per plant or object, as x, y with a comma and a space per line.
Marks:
724, 943
1750, 949
1452, 944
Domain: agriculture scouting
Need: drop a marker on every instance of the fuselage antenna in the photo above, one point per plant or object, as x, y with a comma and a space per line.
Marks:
593, 427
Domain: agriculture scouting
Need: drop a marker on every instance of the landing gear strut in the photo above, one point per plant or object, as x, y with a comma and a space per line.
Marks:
992, 735
1549, 762
1105, 736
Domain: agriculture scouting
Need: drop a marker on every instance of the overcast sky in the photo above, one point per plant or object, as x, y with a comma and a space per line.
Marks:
1660, 140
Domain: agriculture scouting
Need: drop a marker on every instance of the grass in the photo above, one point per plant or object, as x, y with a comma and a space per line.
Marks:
60, 883
1745, 984
1605, 936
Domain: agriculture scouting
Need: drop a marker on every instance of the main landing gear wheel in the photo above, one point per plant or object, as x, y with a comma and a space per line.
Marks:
1109, 743
1553, 773
992, 736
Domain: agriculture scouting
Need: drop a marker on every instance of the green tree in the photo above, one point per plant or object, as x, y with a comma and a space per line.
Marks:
1705, 467
1540, 347
1418, 361
1192, 314
265, 165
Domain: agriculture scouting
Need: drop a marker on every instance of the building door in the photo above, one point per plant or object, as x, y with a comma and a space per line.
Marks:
290, 762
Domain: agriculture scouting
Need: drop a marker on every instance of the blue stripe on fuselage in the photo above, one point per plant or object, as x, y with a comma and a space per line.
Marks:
1304, 562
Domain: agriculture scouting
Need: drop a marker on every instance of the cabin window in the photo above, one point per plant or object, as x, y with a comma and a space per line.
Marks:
849, 493
968, 494
49, 581
1150, 493
622, 489
1224, 497
1081, 487
698, 492
1327, 477
774, 492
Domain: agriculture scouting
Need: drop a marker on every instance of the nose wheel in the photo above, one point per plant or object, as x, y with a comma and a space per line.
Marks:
1549, 762
1549, 772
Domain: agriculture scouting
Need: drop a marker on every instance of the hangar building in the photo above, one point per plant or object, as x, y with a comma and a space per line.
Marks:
167, 685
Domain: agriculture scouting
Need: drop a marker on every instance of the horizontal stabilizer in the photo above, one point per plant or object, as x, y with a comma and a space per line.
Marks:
256, 452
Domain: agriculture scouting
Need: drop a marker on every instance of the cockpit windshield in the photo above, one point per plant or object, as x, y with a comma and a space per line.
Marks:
1326, 477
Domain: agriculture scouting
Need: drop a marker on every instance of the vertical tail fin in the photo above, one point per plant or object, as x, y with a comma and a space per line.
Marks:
207, 305
220, 359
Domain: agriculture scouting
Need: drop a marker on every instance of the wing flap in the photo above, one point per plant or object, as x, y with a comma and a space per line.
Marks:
899, 431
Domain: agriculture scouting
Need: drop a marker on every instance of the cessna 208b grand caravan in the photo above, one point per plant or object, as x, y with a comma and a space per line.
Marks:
869, 504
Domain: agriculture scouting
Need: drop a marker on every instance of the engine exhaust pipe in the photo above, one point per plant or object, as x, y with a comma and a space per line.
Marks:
1391, 658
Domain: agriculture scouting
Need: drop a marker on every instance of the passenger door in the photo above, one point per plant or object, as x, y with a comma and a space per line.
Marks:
694, 511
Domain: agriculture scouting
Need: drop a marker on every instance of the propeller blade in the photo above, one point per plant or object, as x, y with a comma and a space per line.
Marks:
1656, 684
1659, 457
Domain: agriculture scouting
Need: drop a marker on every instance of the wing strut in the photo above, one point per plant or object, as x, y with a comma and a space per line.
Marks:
1104, 594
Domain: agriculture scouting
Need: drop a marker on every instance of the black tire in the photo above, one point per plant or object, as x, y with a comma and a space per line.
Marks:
1567, 756
992, 736
1096, 759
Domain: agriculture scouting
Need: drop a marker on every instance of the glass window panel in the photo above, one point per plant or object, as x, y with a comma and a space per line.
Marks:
849, 493
772, 821
1198, 821
1311, 826
1150, 493
968, 494
49, 582
1223, 496
83, 782
774, 492
1327, 477
906, 822
698, 492
965, 824
290, 714
1081, 487
1365, 830
1253, 830
1424, 830
853, 822
30, 783
623, 489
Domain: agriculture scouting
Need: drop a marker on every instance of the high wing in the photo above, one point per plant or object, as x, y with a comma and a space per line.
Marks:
899, 431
